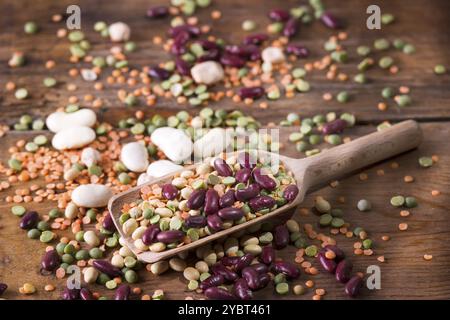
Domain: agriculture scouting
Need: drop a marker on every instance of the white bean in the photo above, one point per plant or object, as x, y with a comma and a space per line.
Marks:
161, 168
212, 143
175, 144
134, 156
90, 156
58, 121
91, 195
129, 226
90, 237
71, 211
117, 261
90, 274
208, 72
73, 138
272, 55
119, 32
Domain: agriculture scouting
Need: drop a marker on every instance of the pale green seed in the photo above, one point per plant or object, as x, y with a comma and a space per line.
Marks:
425, 162
398, 201
18, 210
21, 94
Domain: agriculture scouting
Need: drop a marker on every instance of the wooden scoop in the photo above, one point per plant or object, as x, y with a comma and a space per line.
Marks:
310, 173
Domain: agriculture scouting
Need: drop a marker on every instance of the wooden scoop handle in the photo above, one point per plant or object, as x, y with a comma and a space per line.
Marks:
362, 152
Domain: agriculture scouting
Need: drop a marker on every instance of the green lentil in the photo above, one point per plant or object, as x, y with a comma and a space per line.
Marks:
60, 248
440, 69
311, 251
49, 82
337, 222
31, 147
82, 255
38, 125
79, 236
100, 26
77, 51
298, 73
357, 231
54, 213
193, 234
325, 220
30, 27
398, 44
302, 85
67, 258
343, 97
387, 18
364, 205
409, 49
130, 46
130, 100
112, 242
92, 214
282, 288
18, 210
279, 278
425, 162
336, 212
386, 62
46, 236
228, 180
410, 202
360, 78
365, 64
381, 44
95, 253
363, 51
192, 285
75, 36
124, 178
398, 201
138, 128
315, 139
131, 276
367, 244
339, 56
295, 136
301, 146
349, 118
72, 108
334, 139
387, 93
95, 170
43, 225
33, 234
403, 100
15, 164
103, 278
111, 284
21, 94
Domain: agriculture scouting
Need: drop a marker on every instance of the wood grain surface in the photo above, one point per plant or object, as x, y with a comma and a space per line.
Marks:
405, 274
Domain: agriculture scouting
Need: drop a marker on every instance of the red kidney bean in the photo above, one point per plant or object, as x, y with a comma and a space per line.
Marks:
340, 255
232, 60
230, 261
243, 175
245, 50
264, 280
281, 236
108, 223
214, 222
170, 236
158, 12
231, 213
255, 56
267, 255
290, 193
327, 264
215, 293
261, 202
195, 221
344, 271
192, 30
150, 234
214, 280
260, 268
248, 193
196, 199
288, 269
241, 290
122, 292
245, 160
297, 50
178, 48
29, 220
244, 261
264, 180
222, 168
353, 286
228, 199
70, 294
158, 73
330, 21
279, 15
3, 287
257, 38
335, 126
251, 92
207, 45
228, 275
107, 268
169, 191
211, 202
210, 55
182, 67
290, 28
51, 260
86, 294
251, 276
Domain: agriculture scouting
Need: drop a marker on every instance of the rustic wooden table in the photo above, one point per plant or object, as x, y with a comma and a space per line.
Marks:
405, 274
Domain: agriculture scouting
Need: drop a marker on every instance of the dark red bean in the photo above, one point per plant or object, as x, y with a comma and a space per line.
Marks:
340, 255
182, 67
231, 213
244, 261
192, 30
243, 175
170, 236
70, 294
107, 268
257, 39
230, 261
241, 290
122, 292
297, 50
3, 287
228, 275
264, 280
255, 56
344, 271
251, 276
228, 199
327, 264
288, 269
267, 255
279, 15
290, 193
150, 234
86, 294
244, 51
108, 223
251, 92
353, 286
169, 191
195, 221
222, 168
207, 45
212, 281
214, 222
330, 21
290, 28
158, 73
232, 60
246, 160
29, 220
51, 260
261, 202
211, 202
281, 236
264, 180
158, 12
260, 268
196, 199
215, 293
335, 126
210, 55
178, 48
247, 193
